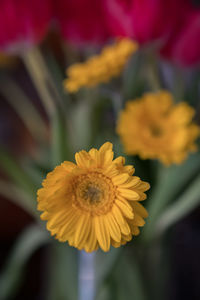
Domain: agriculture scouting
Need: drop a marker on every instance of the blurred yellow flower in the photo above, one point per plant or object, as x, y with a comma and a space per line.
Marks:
100, 68
156, 128
93, 203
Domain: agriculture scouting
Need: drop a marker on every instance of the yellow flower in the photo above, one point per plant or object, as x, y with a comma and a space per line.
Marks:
155, 127
93, 203
100, 68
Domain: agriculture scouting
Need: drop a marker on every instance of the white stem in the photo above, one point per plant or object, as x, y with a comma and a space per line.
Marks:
86, 276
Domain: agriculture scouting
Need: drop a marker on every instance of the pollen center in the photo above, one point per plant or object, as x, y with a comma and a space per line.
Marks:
93, 192
156, 131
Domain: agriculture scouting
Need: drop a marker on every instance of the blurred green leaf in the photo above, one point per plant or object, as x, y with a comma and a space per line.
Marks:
172, 181
130, 283
11, 276
104, 293
81, 125
183, 206
120, 277
24, 109
57, 76
16, 173
63, 273
133, 83
18, 196
59, 139
104, 263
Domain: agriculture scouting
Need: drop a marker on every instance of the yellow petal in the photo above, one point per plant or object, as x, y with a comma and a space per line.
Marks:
120, 220
131, 182
102, 233
82, 159
82, 230
138, 221
129, 194
139, 209
120, 179
126, 209
106, 146
70, 225
113, 227
91, 242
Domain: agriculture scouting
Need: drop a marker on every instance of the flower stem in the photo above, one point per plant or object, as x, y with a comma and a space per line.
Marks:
86, 276
152, 72
24, 109
38, 71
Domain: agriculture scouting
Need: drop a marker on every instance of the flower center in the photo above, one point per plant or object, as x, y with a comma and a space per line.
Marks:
156, 131
93, 192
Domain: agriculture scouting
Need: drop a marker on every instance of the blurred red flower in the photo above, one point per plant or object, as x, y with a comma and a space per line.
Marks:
144, 20
81, 21
184, 45
23, 23
174, 24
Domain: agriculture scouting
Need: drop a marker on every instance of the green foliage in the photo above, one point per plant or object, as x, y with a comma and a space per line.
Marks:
13, 272
63, 278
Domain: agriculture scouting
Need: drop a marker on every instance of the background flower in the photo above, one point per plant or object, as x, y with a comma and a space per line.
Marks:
23, 23
81, 21
183, 47
153, 127
174, 25
100, 68
144, 20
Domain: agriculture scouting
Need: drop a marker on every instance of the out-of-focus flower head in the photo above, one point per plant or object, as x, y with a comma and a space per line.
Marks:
23, 23
95, 202
184, 45
144, 20
100, 68
153, 127
174, 25
81, 21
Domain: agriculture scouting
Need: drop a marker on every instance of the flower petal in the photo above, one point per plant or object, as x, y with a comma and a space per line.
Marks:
126, 209
120, 179
129, 194
120, 220
102, 233
113, 227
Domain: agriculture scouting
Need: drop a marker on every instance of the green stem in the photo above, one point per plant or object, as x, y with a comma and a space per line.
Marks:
16, 173
24, 109
39, 73
18, 196
152, 72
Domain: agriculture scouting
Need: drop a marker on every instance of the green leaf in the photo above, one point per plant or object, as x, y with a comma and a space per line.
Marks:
130, 283
172, 181
120, 277
18, 196
183, 206
11, 276
16, 173
81, 124
24, 109
63, 273
104, 263
59, 139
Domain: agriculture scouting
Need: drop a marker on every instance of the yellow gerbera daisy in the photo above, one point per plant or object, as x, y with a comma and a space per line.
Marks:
93, 203
155, 127
100, 68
